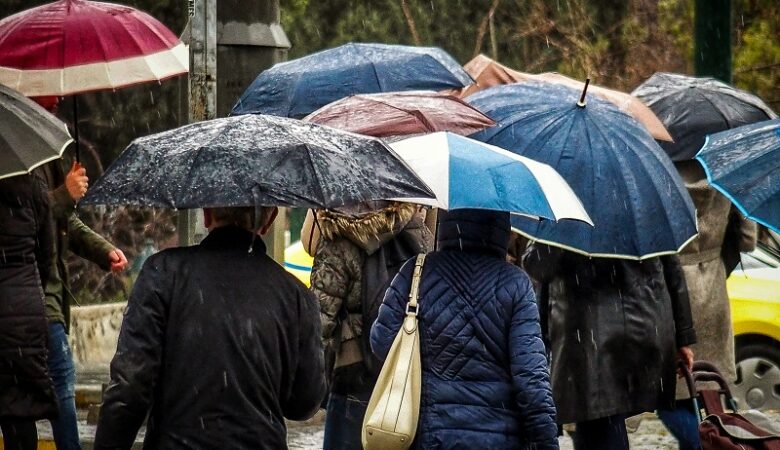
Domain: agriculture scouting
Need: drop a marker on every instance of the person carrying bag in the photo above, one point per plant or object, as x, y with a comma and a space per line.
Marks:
481, 378
391, 418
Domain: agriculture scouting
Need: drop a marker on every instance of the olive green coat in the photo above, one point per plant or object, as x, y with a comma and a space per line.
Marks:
70, 234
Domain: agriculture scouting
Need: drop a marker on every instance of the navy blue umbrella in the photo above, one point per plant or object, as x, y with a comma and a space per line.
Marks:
301, 86
744, 164
629, 186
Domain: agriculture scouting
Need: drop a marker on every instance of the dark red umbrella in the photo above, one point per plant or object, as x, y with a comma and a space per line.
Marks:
401, 113
75, 46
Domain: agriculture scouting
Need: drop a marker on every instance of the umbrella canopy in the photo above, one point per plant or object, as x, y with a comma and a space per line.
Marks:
488, 73
744, 164
638, 202
464, 173
73, 46
29, 135
298, 87
255, 160
691, 108
401, 113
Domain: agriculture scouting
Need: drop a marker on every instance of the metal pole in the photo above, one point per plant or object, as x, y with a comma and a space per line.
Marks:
712, 49
203, 87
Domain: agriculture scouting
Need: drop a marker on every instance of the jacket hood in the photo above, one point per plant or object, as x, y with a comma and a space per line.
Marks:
474, 231
371, 229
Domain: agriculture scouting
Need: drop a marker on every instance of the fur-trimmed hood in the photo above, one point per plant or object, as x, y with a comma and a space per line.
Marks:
371, 229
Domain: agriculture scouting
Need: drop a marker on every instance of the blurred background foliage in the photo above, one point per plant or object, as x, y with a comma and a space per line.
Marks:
618, 43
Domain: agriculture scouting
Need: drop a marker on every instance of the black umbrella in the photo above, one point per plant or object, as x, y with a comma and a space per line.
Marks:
29, 135
691, 108
255, 160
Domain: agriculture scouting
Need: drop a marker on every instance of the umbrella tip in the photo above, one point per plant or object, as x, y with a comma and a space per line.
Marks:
582, 101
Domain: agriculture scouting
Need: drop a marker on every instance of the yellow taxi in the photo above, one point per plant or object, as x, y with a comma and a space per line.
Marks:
754, 291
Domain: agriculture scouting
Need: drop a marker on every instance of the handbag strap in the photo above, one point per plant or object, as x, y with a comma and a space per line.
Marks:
411, 307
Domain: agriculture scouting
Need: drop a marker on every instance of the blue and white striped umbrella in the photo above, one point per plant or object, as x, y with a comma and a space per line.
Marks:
464, 173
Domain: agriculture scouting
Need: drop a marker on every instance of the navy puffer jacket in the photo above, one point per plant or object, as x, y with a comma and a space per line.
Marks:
485, 377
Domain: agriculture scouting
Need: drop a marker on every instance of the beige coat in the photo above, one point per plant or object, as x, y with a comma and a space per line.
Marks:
721, 228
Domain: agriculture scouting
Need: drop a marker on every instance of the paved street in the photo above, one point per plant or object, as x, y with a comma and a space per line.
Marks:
651, 435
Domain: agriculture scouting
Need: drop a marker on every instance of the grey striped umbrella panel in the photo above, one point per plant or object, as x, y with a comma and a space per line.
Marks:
29, 135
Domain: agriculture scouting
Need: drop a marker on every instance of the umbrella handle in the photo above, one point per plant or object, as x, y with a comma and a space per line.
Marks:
76, 127
582, 101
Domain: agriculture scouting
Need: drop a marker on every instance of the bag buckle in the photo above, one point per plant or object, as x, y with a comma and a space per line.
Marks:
411, 309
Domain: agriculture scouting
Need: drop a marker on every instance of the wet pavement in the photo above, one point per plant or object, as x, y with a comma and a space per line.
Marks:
650, 435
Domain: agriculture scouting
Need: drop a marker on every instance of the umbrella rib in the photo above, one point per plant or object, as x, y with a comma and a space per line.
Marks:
317, 178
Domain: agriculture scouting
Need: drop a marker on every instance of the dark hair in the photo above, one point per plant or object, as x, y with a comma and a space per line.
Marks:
242, 216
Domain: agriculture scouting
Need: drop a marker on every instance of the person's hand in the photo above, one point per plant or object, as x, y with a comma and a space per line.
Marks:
118, 260
76, 181
685, 356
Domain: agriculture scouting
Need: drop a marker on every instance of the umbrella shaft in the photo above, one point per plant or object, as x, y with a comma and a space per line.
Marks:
76, 127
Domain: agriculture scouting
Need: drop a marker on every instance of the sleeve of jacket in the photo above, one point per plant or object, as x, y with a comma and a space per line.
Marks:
330, 282
681, 306
741, 236
308, 386
528, 364
392, 312
62, 205
44, 251
88, 244
136, 364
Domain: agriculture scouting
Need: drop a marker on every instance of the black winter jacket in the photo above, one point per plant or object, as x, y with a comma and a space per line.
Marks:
614, 330
485, 378
26, 249
221, 344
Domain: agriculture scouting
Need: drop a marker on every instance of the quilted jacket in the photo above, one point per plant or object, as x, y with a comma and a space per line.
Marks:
337, 280
485, 377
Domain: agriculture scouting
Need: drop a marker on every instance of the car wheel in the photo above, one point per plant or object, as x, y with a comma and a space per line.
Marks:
758, 377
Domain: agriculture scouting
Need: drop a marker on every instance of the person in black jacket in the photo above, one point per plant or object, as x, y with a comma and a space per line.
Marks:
617, 329
219, 341
26, 249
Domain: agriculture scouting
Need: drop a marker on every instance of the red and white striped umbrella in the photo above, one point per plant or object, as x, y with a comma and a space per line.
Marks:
75, 46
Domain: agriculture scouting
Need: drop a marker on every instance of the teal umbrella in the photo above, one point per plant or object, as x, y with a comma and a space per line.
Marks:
744, 164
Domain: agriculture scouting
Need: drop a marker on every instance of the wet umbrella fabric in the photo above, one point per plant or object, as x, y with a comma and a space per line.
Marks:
489, 73
255, 160
691, 108
299, 87
464, 173
639, 204
74, 46
29, 135
744, 164
400, 114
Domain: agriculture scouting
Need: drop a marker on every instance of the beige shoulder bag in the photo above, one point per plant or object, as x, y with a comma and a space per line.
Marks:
391, 418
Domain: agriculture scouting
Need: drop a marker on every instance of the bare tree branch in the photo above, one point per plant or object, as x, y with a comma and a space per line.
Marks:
410, 22
483, 26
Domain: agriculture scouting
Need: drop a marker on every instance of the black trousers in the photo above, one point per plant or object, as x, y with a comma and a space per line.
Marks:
19, 434
607, 433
